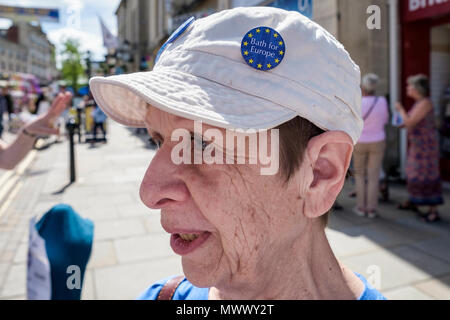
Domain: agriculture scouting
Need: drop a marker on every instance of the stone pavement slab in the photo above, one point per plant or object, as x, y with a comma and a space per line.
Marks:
143, 248
438, 288
119, 228
21, 253
88, 290
436, 247
15, 282
428, 264
152, 223
98, 213
127, 281
3, 271
103, 254
406, 293
363, 238
137, 209
400, 266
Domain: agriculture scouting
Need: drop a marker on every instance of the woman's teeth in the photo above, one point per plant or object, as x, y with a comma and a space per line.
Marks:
188, 236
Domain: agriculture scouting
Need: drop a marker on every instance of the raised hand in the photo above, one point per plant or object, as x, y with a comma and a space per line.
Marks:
44, 124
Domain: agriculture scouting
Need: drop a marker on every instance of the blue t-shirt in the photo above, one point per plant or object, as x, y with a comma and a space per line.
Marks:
98, 115
187, 291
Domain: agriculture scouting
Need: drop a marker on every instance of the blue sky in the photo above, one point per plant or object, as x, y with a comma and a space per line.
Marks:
78, 19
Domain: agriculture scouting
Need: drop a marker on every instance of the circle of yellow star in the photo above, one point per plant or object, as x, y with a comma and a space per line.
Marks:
267, 30
259, 65
280, 43
245, 43
277, 60
246, 52
250, 35
275, 35
269, 65
281, 52
251, 60
257, 30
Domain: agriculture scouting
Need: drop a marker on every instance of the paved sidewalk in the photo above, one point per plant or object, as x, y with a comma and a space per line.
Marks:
131, 250
412, 257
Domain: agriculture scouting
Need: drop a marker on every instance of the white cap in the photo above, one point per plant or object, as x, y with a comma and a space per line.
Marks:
202, 74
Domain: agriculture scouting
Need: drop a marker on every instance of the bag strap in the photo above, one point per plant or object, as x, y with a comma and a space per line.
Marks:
371, 108
168, 290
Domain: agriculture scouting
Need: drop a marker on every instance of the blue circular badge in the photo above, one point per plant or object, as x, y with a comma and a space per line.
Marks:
263, 48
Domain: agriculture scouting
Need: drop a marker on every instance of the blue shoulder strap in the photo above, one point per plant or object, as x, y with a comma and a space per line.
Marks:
174, 36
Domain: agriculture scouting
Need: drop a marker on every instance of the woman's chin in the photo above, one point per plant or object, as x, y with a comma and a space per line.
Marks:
200, 275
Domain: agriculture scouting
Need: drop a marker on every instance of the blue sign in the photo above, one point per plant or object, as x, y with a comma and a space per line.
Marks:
263, 48
302, 6
29, 14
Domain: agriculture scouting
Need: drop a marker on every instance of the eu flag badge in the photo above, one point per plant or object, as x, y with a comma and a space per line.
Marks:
263, 48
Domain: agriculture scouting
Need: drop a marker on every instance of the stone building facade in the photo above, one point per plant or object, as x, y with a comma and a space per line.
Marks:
25, 48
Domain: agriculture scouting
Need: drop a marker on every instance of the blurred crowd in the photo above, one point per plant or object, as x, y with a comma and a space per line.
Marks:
18, 107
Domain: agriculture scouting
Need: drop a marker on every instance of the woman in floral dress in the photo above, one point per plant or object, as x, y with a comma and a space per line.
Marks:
422, 168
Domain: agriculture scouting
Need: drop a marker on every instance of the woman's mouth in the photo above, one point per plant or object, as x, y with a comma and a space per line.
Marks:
184, 243
188, 236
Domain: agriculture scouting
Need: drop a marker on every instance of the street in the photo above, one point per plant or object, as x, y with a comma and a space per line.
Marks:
409, 258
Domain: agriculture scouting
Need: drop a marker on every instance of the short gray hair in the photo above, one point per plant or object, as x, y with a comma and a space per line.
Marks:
370, 83
420, 83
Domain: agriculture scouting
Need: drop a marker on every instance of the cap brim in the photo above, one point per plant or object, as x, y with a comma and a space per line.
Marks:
125, 99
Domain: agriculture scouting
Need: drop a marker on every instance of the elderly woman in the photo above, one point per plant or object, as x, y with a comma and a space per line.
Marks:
422, 168
246, 226
12, 154
369, 151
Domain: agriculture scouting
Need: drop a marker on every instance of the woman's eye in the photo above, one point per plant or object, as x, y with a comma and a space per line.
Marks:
199, 142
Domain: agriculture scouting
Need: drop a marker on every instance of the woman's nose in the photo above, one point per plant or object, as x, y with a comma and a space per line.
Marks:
161, 186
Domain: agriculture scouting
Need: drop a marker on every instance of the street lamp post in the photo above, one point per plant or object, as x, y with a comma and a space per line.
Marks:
88, 64
71, 128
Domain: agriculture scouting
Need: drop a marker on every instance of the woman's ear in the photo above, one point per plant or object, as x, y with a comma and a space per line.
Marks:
329, 156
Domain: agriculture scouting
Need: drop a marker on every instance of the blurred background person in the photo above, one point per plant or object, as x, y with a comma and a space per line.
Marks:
369, 151
11, 155
6, 105
2, 111
99, 122
8, 100
43, 101
422, 167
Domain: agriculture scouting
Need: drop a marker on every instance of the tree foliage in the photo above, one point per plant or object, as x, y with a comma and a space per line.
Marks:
72, 66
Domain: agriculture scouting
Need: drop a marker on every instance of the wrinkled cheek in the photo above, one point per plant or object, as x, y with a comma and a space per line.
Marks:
241, 248
222, 196
233, 255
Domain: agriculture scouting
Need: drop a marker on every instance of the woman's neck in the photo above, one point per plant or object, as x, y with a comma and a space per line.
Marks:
307, 270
